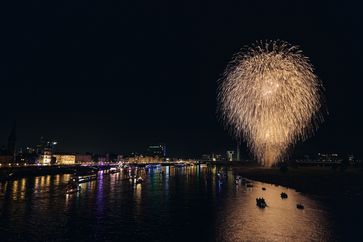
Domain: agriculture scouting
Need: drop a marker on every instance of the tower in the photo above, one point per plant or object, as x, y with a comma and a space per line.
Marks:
12, 140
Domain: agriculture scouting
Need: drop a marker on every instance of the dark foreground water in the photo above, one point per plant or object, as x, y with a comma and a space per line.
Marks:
181, 204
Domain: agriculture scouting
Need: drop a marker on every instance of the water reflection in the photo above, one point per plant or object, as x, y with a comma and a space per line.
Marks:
203, 200
241, 219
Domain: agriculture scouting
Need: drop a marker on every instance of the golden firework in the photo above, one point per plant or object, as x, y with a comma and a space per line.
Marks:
270, 97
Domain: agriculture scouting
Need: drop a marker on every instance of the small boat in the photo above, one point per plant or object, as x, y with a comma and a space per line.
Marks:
81, 179
139, 180
299, 206
113, 170
283, 195
260, 202
263, 189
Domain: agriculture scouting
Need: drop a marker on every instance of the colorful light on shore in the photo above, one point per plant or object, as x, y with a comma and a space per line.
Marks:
270, 97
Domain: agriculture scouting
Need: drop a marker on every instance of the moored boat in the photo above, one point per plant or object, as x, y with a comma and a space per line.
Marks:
283, 195
300, 206
114, 170
260, 202
86, 178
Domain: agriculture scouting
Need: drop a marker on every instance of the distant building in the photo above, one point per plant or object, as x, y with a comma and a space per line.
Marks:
327, 157
206, 157
112, 157
212, 157
6, 159
230, 155
46, 157
351, 159
217, 157
144, 159
120, 158
84, 158
65, 159
27, 158
102, 158
157, 150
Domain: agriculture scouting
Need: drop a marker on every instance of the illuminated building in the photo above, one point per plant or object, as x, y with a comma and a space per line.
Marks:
328, 157
140, 159
217, 157
212, 157
46, 157
65, 159
230, 155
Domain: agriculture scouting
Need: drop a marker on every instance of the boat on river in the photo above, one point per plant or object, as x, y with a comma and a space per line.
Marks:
260, 202
82, 179
283, 195
300, 206
114, 170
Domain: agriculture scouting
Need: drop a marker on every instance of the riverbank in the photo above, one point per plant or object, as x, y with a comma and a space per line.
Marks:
313, 180
11, 173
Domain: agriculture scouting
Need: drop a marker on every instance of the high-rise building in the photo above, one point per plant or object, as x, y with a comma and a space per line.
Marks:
157, 150
12, 141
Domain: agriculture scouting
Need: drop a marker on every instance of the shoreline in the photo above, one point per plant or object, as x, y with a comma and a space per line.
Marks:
13, 173
323, 181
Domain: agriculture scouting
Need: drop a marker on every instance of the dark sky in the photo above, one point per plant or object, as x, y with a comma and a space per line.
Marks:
117, 76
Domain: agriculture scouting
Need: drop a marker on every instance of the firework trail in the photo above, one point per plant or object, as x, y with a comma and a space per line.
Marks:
270, 97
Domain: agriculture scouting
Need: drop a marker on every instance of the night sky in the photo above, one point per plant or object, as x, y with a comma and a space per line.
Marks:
116, 76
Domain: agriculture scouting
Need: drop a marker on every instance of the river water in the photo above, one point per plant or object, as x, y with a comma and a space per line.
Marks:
178, 204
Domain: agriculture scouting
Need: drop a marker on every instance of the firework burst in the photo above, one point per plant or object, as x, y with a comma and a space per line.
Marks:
270, 97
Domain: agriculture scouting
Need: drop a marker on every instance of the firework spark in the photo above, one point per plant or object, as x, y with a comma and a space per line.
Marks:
270, 97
